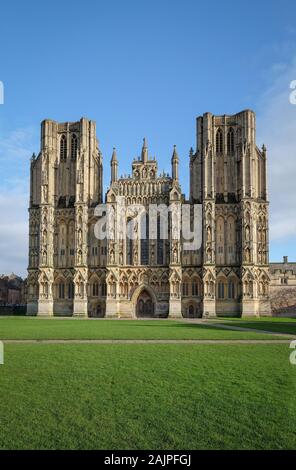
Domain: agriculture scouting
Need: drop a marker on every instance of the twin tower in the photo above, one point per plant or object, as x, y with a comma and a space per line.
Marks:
72, 272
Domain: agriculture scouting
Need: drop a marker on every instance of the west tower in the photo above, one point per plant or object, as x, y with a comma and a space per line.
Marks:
66, 183
228, 176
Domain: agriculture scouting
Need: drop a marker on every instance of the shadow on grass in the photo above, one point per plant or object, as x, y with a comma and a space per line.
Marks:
173, 325
281, 327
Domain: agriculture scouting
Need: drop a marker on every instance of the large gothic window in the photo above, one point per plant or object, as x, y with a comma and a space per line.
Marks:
145, 239
129, 243
159, 244
74, 147
63, 148
230, 141
219, 141
129, 251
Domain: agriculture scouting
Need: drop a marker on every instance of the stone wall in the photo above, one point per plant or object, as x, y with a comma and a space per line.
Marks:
12, 290
283, 287
283, 300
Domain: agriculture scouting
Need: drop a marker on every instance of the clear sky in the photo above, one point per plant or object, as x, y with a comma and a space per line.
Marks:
145, 68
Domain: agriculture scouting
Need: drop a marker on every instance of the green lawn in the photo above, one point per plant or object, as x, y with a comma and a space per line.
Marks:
275, 324
265, 319
35, 328
147, 397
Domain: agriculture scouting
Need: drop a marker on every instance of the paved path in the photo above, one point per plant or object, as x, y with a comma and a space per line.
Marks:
146, 341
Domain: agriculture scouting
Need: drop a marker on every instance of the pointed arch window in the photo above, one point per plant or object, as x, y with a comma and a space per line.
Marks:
231, 292
104, 289
160, 243
195, 290
70, 290
145, 239
219, 141
74, 146
63, 148
221, 290
129, 243
61, 292
185, 289
230, 141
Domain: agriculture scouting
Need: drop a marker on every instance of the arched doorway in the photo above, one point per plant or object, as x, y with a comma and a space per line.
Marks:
191, 311
145, 305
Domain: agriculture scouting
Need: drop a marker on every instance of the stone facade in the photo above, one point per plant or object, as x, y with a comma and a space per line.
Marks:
283, 287
71, 272
12, 290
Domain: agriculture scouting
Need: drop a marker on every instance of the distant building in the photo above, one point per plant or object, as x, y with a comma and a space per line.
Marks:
283, 287
12, 290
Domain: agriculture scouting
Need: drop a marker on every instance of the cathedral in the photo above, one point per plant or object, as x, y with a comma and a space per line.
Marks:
74, 272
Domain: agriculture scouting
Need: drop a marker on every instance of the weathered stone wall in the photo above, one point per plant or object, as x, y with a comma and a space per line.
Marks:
283, 287
12, 290
283, 300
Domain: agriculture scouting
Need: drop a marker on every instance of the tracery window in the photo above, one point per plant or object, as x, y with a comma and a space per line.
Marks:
61, 288
145, 240
74, 147
160, 243
230, 141
231, 290
221, 293
63, 148
219, 141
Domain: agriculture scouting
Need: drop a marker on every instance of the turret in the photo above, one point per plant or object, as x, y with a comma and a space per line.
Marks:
265, 178
175, 164
114, 166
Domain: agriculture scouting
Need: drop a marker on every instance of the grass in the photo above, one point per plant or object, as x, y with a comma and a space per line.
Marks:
265, 319
147, 397
274, 324
35, 328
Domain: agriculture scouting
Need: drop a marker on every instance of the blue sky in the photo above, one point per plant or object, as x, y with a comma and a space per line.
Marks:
144, 69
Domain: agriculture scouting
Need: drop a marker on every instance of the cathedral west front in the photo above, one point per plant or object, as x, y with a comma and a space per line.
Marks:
141, 269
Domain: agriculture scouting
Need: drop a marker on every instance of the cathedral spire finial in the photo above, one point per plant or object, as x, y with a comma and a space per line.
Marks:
114, 155
175, 154
114, 166
175, 164
144, 151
